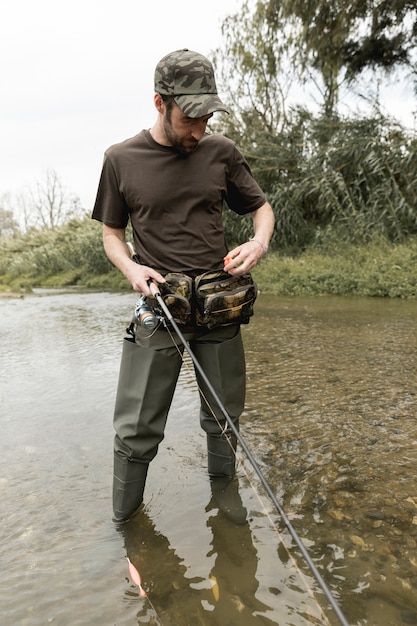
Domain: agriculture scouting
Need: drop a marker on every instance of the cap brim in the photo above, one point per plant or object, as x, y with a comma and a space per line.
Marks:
200, 104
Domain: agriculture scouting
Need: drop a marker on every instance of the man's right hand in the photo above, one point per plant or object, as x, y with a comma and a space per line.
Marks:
139, 275
119, 254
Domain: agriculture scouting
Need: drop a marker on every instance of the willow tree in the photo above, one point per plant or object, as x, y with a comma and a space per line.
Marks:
299, 157
336, 41
253, 65
270, 44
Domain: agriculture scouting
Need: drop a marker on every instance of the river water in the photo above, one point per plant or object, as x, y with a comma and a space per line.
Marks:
330, 420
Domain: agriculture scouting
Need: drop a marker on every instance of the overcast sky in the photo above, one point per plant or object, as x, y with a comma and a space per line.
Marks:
76, 77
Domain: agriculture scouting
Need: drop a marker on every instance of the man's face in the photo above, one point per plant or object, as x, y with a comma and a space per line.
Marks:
182, 132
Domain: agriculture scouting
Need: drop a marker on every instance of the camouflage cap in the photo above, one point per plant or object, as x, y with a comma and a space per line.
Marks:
189, 77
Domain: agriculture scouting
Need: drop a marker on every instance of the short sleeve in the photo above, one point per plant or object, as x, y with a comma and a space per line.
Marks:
110, 206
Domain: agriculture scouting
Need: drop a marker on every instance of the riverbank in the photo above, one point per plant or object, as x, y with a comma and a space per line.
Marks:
380, 269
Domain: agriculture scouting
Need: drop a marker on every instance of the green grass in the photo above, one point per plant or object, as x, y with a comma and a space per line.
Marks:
378, 269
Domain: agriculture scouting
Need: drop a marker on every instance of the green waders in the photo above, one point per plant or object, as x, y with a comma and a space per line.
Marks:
146, 386
147, 380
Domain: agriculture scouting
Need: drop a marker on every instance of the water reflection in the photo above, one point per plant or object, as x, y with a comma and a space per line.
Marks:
226, 592
331, 419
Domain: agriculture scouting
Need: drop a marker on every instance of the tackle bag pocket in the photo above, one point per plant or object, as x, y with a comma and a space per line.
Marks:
224, 299
176, 294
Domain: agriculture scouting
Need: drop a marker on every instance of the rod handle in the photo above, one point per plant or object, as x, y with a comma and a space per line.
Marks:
154, 289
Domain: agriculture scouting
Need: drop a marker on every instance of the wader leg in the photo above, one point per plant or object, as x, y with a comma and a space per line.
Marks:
147, 381
224, 365
223, 362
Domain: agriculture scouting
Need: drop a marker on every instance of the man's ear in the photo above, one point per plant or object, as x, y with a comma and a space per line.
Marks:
159, 103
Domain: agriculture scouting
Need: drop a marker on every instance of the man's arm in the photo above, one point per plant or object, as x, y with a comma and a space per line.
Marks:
114, 243
243, 258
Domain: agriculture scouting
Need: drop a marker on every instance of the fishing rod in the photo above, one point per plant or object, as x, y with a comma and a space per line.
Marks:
157, 295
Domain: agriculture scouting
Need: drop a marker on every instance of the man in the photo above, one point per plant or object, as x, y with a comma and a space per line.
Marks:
171, 182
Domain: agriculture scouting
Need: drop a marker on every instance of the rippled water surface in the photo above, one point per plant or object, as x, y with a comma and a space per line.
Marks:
330, 419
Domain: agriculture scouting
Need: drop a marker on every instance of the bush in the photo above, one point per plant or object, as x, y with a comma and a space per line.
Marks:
356, 175
380, 269
67, 255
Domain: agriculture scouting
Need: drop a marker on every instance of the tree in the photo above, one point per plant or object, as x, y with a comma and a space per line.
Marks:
50, 205
322, 42
47, 205
389, 40
254, 73
339, 40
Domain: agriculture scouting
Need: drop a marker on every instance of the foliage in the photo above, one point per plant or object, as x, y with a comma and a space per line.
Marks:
254, 74
320, 171
339, 40
8, 225
73, 256
333, 182
357, 177
378, 269
75, 250
323, 43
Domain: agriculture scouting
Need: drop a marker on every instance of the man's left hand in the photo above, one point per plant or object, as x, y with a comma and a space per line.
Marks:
243, 258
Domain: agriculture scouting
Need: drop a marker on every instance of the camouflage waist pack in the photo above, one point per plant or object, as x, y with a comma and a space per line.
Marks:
223, 299
212, 299
177, 294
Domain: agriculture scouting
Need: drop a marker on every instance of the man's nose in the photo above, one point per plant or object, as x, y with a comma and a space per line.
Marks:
198, 130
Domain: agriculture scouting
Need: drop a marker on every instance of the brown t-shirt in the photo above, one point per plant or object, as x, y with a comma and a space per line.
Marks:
175, 202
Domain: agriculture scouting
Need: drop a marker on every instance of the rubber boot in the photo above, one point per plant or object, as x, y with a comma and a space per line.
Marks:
221, 468
221, 450
221, 455
128, 485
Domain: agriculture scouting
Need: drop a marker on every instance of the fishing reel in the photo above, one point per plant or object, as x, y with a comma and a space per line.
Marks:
146, 316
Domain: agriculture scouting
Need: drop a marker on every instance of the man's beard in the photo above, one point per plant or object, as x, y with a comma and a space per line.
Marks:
184, 149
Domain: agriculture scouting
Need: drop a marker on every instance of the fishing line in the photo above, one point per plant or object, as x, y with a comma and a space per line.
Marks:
337, 610
254, 489
169, 318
